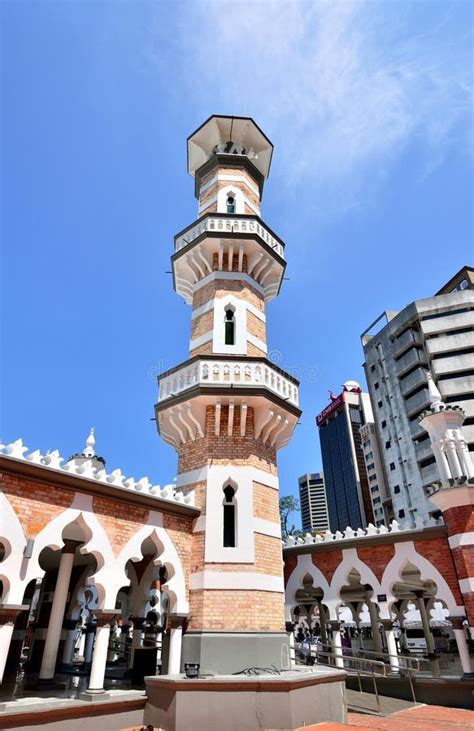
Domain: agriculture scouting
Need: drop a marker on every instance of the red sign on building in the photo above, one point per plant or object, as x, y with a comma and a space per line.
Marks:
333, 406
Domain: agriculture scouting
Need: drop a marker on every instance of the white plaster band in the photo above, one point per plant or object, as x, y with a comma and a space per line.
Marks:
466, 585
258, 343
196, 342
267, 527
200, 475
228, 580
264, 527
202, 310
461, 539
242, 276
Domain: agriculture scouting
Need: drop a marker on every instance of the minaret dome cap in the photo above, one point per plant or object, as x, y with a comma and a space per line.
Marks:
225, 134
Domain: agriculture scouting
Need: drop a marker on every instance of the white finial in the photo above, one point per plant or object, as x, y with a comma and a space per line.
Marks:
90, 443
434, 394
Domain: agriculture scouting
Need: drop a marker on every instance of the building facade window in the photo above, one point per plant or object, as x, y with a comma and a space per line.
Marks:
396, 489
380, 404
230, 203
384, 424
392, 466
229, 517
229, 327
401, 513
388, 444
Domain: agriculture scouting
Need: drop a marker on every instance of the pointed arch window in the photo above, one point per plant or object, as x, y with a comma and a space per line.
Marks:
229, 517
230, 203
229, 326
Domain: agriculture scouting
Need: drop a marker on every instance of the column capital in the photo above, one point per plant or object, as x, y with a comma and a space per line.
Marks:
289, 626
104, 618
138, 622
176, 620
70, 546
457, 622
10, 612
387, 624
335, 625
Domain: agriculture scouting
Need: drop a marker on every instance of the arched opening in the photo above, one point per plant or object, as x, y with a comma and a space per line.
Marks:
229, 516
310, 622
230, 203
229, 326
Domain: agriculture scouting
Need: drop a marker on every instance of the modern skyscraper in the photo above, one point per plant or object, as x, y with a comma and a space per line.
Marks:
313, 503
435, 334
345, 474
374, 465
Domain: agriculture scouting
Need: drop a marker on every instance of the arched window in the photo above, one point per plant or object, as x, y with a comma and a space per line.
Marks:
230, 203
229, 327
228, 522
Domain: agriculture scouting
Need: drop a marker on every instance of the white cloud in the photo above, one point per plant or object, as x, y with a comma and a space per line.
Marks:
342, 88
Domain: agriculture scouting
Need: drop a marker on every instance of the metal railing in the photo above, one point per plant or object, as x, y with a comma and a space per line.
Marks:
407, 665
359, 666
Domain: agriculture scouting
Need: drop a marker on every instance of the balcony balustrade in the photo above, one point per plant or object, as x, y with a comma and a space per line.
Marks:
213, 372
228, 226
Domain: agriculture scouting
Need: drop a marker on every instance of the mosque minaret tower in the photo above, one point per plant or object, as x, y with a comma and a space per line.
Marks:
227, 409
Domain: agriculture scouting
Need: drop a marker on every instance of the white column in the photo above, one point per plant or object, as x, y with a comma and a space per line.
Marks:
453, 458
337, 644
290, 628
441, 461
56, 617
99, 657
374, 623
463, 649
391, 646
174, 663
465, 457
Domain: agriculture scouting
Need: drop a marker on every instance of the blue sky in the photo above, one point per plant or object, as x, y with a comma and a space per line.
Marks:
369, 106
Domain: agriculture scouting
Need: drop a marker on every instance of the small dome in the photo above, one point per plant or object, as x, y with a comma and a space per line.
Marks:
352, 386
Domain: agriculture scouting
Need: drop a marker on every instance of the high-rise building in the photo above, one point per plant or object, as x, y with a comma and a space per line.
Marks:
435, 334
345, 474
313, 503
374, 465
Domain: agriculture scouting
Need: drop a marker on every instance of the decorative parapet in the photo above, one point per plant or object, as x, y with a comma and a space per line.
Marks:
53, 460
360, 533
209, 371
230, 225
453, 482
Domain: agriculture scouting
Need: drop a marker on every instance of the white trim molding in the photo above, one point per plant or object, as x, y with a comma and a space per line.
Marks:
245, 581
267, 527
461, 539
466, 585
200, 475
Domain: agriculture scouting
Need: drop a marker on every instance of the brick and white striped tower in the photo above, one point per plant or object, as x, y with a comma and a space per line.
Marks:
228, 409
453, 494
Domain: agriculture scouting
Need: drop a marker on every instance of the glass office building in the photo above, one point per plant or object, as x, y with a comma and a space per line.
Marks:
345, 474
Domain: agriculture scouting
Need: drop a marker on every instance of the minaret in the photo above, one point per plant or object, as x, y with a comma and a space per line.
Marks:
453, 495
227, 409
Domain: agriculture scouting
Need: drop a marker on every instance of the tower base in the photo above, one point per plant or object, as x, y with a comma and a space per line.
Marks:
240, 703
225, 653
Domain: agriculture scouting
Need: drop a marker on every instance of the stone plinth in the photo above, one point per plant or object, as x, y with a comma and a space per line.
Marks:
240, 703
